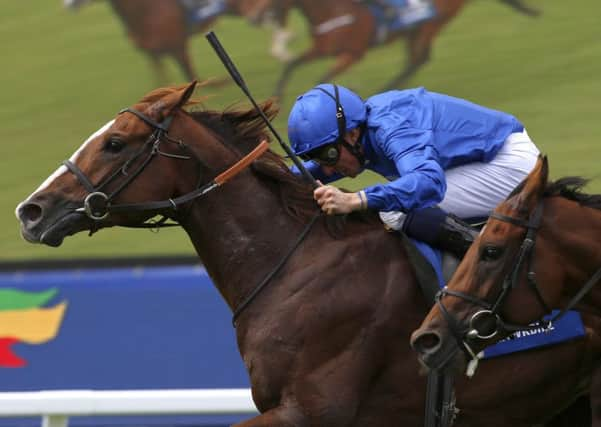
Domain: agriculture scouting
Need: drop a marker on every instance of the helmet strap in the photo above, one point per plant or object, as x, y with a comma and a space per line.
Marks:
354, 149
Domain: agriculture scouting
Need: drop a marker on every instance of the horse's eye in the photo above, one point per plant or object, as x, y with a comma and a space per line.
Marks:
491, 253
114, 145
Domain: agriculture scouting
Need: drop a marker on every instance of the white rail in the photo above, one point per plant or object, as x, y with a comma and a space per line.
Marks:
55, 407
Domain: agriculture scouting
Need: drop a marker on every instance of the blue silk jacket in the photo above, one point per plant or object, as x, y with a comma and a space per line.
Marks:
413, 136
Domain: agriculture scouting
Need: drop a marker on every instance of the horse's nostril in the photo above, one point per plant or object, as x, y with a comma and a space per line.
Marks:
30, 213
426, 342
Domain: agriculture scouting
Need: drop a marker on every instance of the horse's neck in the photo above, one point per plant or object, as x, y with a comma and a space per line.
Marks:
575, 230
240, 232
126, 10
327, 9
130, 11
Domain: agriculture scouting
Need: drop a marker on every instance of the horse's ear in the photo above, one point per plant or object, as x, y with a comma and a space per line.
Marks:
186, 94
170, 103
535, 184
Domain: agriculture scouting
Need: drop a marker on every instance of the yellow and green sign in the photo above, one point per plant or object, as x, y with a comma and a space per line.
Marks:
25, 319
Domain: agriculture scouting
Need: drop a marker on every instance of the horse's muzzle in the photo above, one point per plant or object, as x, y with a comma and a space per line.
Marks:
48, 224
434, 350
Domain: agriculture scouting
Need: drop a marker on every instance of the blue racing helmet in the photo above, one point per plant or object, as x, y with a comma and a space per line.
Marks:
319, 115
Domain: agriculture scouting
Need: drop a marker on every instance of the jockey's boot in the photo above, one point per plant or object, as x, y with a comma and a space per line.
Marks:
437, 228
456, 236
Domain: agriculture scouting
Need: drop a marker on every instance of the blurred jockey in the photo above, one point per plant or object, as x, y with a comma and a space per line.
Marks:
199, 11
445, 158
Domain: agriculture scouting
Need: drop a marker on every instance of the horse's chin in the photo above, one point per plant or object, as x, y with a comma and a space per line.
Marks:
54, 235
449, 361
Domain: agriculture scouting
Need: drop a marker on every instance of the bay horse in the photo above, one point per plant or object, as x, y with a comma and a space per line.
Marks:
323, 306
346, 29
160, 28
540, 250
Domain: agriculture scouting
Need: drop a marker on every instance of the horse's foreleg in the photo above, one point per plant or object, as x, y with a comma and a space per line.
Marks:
521, 7
183, 59
279, 43
418, 49
343, 62
578, 414
289, 68
159, 69
595, 392
281, 416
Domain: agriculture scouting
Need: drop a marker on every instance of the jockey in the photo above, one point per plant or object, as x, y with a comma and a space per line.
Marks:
199, 11
444, 158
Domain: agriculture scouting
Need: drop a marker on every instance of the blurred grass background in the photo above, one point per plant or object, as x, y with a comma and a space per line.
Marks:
65, 74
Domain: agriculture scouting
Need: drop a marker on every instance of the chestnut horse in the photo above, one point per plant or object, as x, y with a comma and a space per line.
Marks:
323, 306
540, 250
345, 29
160, 28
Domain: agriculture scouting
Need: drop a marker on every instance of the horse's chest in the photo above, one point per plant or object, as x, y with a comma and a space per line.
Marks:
270, 363
263, 357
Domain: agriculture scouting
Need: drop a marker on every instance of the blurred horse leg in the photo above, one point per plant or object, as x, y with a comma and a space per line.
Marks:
159, 68
578, 414
521, 7
343, 62
277, 18
596, 397
279, 43
418, 46
280, 416
305, 57
182, 58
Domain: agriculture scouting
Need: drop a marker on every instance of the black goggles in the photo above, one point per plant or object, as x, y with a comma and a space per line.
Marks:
326, 155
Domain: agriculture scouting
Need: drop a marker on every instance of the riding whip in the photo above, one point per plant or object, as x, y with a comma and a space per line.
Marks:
231, 68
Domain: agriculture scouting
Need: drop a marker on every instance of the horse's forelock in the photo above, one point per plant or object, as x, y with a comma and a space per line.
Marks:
158, 94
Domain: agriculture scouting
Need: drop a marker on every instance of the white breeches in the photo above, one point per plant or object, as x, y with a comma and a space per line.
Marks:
475, 189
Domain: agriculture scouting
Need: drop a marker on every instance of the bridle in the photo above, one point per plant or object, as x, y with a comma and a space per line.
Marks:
525, 257
98, 205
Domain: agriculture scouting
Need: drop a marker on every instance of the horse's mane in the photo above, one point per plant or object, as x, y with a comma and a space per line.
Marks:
569, 187
241, 130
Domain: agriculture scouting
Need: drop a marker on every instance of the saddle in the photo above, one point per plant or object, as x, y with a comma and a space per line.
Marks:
199, 11
430, 280
397, 15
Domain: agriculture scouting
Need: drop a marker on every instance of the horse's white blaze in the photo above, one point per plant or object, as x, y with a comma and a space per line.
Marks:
62, 169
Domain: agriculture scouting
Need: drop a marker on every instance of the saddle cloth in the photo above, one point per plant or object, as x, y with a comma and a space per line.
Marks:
568, 327
199, 11
397, 15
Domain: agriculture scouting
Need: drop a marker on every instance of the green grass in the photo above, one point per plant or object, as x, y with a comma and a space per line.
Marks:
65, 74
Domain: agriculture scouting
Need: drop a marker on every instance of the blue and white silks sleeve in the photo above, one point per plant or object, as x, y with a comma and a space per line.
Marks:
421, 181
